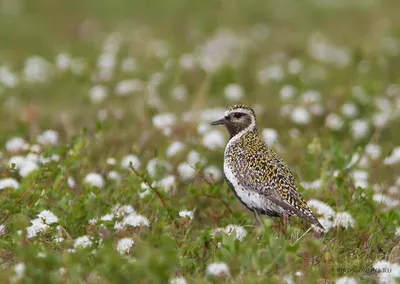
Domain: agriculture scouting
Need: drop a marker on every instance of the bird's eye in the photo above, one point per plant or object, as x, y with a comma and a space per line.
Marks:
238, 115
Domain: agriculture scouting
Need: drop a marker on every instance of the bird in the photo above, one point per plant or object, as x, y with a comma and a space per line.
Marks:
258, 176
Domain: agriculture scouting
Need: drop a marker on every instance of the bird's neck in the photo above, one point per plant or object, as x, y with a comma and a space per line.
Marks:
236, 133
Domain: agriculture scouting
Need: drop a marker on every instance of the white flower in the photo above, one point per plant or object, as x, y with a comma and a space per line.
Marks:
83, 242
154, 164
48, 137
26, 167
397, 232
313, 184
295, 66
343, 219
346, 280
322, 209
111, 161
187, 61
98, 94
350, 110
287, 92
48, 217
15, 144
213, 173
273, 72
7, 78
167, 184
381, 119
19, 269
194, 157
125, 163
360, 178
144, 190
300, 115
92, 221
239, 232
186, 213
218, 269
114, 175
123, 210
129, 64
175, 148
359, 128
186, 171
94, 179
164, 120
334, 122
233, 92
8, 183
394, 158
386, 200
124, 245
179, 93
36, 69
178, 280
107, 217
373, 150
128, 87
132, 220
388, 272
311, 96
270, 136
2, 230
37, 227
214, 139
321, 49
63, 61
71, 182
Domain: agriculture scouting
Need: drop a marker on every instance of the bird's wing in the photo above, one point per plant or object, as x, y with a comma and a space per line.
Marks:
283, 191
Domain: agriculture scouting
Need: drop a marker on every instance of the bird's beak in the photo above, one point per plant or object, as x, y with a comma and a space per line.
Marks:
219, 121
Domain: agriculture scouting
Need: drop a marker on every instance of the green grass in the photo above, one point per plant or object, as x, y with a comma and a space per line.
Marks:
173, 246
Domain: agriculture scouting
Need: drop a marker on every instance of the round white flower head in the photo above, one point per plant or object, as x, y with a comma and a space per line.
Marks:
15, 144
343, 219
124, 245
8, 183
322, 209
186, 213
48, 137
97, 94
334, 122
213, 173
234, 92
82, 242
94, 179
128, 87
359, 128
48, 217
125, 163
175, 148
287, 92
178, 280
218, 269
168, 184
394, 158
214, 139
186, 172
300, 115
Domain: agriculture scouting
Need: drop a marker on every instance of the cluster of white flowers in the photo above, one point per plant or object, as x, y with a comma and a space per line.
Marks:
40, 224
186, 214
124, 245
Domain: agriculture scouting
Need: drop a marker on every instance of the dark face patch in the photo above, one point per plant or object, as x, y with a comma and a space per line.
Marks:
236, 122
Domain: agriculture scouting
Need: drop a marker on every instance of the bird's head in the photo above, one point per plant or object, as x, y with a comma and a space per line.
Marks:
238, 118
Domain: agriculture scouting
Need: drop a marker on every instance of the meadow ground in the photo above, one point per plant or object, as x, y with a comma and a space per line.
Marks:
109, 171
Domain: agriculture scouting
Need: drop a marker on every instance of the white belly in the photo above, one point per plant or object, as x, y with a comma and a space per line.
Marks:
251, 198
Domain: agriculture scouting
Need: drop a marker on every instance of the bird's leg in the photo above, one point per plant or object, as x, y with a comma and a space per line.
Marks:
285, 216
257, 216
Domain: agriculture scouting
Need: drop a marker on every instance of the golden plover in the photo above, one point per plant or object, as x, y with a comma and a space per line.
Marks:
256, 174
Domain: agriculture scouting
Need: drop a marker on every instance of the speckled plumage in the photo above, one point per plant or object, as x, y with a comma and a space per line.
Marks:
256, 174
